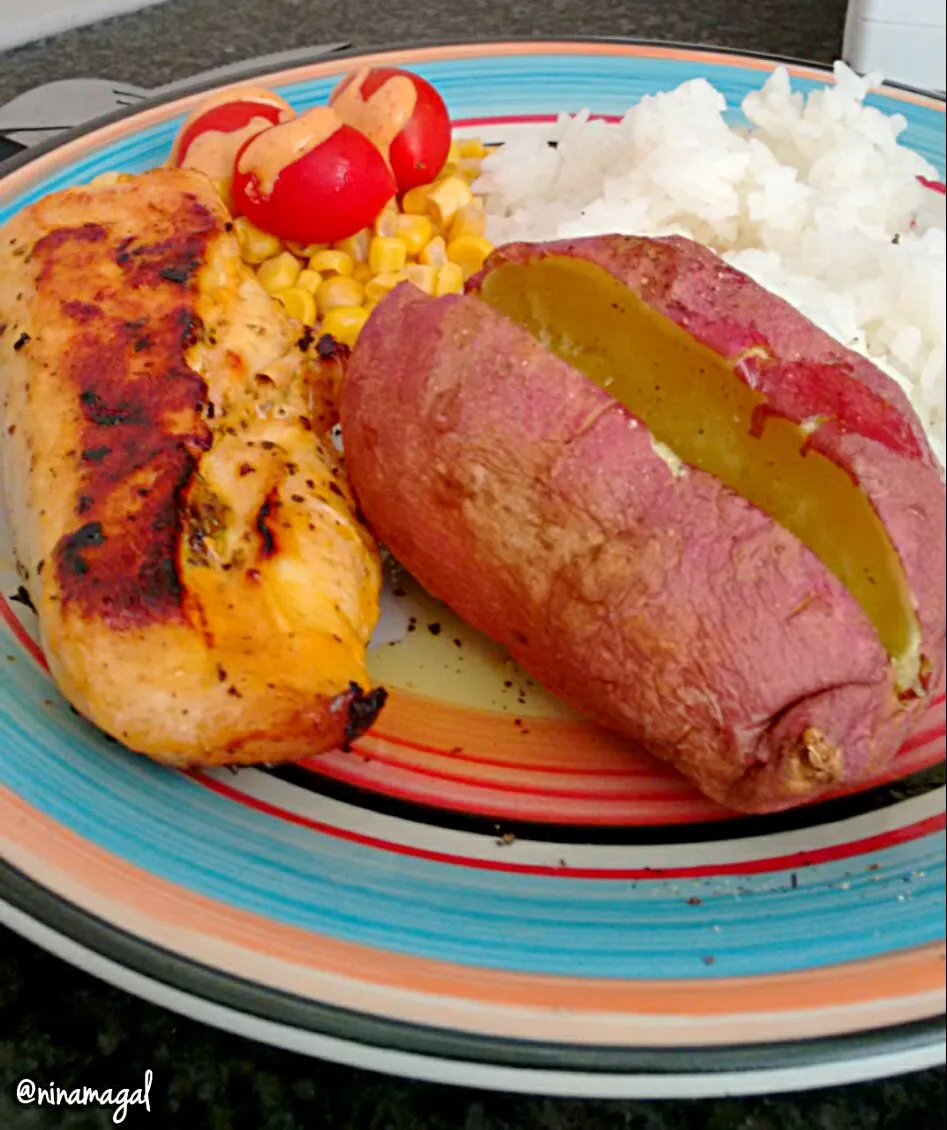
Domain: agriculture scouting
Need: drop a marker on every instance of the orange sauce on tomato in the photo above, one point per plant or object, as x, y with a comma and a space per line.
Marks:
213, 151
271, 152
381, 116
255, 94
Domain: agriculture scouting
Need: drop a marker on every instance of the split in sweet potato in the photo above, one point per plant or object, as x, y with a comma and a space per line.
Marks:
707, 416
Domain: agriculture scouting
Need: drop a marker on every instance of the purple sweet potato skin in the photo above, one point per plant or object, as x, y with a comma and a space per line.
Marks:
658, 603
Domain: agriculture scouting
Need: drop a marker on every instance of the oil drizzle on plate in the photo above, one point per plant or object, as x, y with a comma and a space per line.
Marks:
420, 646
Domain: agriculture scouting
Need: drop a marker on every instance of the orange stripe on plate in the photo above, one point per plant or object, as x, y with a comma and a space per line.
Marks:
431, 725
496, 804
535, 779
528, 779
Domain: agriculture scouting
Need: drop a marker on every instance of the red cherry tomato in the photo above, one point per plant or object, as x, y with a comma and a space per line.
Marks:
311, 180
403, 115
212, 134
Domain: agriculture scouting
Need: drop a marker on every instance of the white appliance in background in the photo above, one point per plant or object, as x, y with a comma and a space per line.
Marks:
22, 21
904, 39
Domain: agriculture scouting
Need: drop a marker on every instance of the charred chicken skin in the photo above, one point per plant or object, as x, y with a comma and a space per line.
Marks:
204, 587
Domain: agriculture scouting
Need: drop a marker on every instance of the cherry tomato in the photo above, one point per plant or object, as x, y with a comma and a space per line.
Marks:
312, 179
211, 135
224, 122
403, 115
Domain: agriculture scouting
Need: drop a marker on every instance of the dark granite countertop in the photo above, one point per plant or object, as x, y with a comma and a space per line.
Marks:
58, 1024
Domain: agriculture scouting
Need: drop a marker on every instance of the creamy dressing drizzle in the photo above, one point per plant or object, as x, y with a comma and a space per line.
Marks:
381, 116
271, 152
255, 94
213, 151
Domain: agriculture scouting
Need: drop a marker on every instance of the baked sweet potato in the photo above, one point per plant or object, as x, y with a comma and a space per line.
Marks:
683, 508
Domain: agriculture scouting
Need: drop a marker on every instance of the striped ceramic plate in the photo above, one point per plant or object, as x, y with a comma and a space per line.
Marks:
488, 889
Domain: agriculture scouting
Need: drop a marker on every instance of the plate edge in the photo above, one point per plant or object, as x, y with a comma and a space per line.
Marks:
25, 896
254, 68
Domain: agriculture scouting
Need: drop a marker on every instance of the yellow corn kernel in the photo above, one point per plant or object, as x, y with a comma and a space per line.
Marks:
469, 252
424, 278
309, 279
356, 245
387, 253
340, 290
362, 273
446, 198
304, 250
298, 303
278, 273
469, 169
414, 201
455, 152
469, 220
449, 280
330, 261
386, 222
471, 147
435, 254
415, 232
379, 286
344, 323
255, 245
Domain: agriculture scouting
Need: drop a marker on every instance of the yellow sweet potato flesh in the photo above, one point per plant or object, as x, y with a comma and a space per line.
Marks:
694, 404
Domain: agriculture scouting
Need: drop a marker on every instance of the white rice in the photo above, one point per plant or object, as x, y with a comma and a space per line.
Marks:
817, 200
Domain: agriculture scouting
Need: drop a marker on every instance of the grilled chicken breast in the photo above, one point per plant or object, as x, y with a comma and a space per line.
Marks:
205, 590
